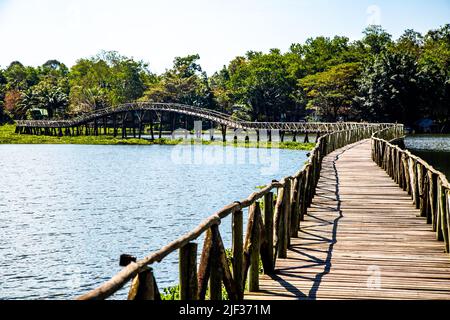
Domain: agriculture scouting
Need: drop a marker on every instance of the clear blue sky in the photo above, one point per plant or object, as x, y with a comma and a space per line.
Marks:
33, 31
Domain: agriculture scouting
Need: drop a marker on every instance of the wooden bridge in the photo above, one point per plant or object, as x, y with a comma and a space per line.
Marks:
362, 238
363, 219
131, 118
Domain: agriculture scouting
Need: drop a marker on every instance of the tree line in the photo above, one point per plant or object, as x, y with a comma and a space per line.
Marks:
375, 79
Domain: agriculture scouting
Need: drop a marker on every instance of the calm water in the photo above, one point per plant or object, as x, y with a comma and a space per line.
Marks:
68, 212
435, 149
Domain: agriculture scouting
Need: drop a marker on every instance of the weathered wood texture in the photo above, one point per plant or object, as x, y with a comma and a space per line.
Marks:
362, 238
267, 238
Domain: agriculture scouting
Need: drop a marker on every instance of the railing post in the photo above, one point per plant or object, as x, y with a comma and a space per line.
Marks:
284, 229
447, 214
441, 226
268, 253
295, 212
204, 269
253, 283
416, 184
433, 199
278, 221
215, 280
144, 287
188, 272
420, 186
238, 251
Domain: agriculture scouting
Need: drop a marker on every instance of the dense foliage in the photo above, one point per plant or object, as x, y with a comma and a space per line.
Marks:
325, 79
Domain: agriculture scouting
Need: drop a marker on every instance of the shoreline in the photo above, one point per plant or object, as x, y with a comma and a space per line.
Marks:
8, 136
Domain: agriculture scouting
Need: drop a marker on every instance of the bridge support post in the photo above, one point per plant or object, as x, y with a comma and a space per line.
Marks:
306, 138
124, 129
224, 133
115, 125
133, 117
294, 138
95, 127
152, 133
160, 125
105, 126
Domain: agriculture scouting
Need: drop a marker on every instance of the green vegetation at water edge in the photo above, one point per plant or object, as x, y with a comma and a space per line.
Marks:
8, 136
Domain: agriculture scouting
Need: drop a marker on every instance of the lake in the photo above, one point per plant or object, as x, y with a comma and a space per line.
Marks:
67, 212
435, 149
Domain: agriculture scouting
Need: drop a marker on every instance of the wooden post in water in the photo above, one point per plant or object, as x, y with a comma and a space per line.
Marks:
115, 125
224, 132
105, 126
160, 128
152, 133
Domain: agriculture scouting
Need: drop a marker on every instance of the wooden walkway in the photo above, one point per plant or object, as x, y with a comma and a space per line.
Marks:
362, 239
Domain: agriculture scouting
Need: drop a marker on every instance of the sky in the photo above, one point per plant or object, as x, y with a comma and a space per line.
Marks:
156, 31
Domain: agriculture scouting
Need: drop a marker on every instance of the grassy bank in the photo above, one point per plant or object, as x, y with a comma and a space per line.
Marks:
8, 136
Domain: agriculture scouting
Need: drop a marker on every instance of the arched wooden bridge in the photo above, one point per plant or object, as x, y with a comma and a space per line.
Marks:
134, 116
362, 219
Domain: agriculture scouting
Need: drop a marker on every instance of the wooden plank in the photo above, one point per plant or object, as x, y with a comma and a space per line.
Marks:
371, 230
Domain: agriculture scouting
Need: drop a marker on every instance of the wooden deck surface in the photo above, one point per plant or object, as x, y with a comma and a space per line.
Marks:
362, 239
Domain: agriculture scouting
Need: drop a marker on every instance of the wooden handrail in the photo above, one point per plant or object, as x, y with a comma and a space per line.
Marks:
295, 194
428, 187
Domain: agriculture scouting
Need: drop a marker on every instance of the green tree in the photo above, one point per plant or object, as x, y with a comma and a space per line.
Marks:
51, 97
3, 83
376, 39
390, 88
262, 81
113, 78
331, 93
20, 77
185, 83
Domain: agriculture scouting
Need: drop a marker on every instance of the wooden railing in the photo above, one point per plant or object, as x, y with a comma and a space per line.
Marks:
429, 188
31, 126
272, 222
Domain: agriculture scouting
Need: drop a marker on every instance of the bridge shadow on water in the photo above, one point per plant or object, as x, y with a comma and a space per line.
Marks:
316, 240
